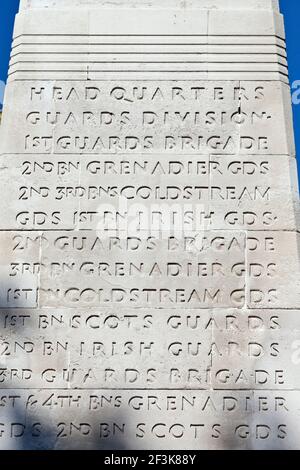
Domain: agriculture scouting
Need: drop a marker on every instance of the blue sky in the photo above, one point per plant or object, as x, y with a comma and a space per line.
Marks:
290, 9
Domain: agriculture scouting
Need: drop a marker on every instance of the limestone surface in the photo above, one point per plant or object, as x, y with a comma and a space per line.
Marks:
149, 238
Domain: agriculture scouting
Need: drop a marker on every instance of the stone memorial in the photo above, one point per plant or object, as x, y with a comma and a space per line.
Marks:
150, 287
